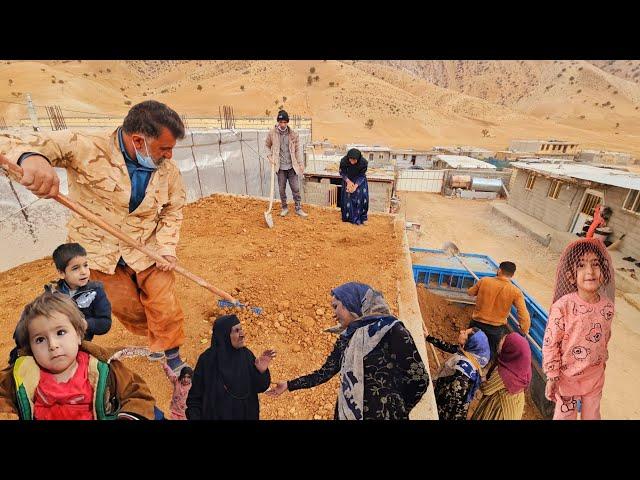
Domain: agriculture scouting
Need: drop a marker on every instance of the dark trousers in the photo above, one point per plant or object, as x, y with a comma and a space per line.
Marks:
292, 176
493, 333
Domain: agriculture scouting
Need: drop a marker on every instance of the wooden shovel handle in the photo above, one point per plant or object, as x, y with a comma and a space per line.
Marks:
116, 232
433, 350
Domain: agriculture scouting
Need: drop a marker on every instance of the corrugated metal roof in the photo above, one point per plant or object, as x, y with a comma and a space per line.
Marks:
461, 161
606, 176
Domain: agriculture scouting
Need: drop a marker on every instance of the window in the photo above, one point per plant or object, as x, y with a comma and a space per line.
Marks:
531, 179
380, 156
554, 188
632, 202
394, 157
590, 204
371, 157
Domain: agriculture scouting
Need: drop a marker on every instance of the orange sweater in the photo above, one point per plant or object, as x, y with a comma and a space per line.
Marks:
496, 295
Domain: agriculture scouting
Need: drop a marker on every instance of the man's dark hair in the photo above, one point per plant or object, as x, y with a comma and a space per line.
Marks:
508, 268
67, 252
150, 117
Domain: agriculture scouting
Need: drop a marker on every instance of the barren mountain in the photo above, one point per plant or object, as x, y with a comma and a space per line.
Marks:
412, 103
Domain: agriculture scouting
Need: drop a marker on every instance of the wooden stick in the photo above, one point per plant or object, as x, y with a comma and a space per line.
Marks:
116, 232
433, 350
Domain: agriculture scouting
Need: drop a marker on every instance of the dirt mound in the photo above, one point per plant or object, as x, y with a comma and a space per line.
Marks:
289, 271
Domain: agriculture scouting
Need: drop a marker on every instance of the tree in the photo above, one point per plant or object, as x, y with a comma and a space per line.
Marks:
242, 87
309, 80
284, 99
369, 123
312, 70
485, 132
316, 78
267, 112
199, 87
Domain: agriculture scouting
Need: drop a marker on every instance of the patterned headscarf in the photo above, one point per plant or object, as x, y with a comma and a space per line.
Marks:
476, 349
361, 299
373, 323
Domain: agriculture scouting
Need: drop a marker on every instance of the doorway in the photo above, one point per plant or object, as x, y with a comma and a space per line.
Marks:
590, 200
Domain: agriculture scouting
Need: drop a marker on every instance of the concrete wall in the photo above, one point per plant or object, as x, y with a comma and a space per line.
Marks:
557, 213
379, 158
623, 221
319, 191
403, 161
210, 161
380, 196
525, 145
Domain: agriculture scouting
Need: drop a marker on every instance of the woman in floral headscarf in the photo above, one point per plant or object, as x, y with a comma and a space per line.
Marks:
461, 375
382, 376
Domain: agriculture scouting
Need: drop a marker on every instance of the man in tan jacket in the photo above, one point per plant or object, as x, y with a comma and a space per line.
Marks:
282, 144
496, 296
128, 178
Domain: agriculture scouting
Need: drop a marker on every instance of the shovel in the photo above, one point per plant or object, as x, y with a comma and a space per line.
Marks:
267, 215
453, 250
116, 232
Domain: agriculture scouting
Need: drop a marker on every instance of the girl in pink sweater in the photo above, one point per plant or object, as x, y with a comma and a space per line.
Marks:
181, 386
579, 328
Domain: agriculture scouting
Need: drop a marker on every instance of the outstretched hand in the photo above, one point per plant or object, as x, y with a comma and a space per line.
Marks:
278, 390
263, 361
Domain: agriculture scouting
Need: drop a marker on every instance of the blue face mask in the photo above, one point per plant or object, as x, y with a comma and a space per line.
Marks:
142, 160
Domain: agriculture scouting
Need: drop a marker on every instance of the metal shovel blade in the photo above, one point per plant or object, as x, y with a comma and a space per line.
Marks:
451, 248
228, 304
269, 219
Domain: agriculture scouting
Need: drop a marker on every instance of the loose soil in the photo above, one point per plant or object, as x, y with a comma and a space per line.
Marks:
288, 271
445, 320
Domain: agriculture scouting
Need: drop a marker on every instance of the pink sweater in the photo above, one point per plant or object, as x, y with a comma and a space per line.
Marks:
179, 397
574, 350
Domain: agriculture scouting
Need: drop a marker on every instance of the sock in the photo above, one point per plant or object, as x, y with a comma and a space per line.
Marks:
173, 357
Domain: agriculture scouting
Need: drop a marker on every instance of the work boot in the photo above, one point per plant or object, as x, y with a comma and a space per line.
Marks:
301, 212
156, 356
284, 212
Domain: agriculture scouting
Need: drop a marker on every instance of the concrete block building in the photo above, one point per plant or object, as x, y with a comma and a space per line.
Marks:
564, 197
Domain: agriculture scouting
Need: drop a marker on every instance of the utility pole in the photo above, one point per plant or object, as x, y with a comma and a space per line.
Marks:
32, 113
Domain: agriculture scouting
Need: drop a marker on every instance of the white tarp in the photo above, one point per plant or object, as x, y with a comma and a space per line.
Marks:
210, 161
